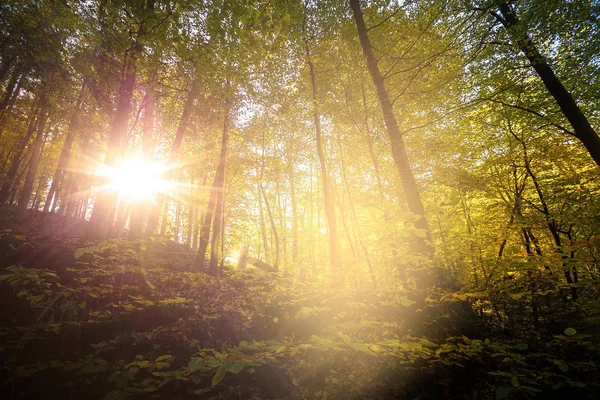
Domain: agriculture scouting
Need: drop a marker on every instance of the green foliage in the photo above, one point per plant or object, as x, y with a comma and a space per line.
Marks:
137, 330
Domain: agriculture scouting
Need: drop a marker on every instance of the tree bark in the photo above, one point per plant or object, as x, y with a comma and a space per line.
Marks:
19, 156
409, 185
273, 227
100, 222
290, 170
65, 154
582, 127
215, 203
334, 249
172, 160
33, 164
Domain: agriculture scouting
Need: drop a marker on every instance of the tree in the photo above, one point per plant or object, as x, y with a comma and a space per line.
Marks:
582, 128
411, 190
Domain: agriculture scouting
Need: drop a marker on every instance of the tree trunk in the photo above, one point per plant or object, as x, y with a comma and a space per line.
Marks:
370, 142
7, 62
19, 157
65, 154
328, 199
215, 203
177, 220
33, 164
409, 185
172, 159
12, 92
273, 227
100, 222
582, 127
290, 170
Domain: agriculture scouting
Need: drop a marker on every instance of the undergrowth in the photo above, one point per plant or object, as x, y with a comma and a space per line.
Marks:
127, 320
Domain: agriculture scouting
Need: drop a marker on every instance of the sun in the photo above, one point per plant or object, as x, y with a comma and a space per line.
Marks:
136, 180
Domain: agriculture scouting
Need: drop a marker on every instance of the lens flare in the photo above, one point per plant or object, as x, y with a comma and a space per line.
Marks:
136, 180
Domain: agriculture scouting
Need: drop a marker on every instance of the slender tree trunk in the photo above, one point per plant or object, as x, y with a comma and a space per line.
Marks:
552, 225
100, 223
273, 227
165, 218
172, 159
290, 170
122, 217
12, 92
409, 185
215, 203
263, 225
328, 198
65, 154
36, 154
177, 221
370, 142
518, 195
582, 127
197, 213
19, 156
7, 62
36, 198
216, 237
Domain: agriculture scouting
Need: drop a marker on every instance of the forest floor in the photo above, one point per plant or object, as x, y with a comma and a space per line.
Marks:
121, 319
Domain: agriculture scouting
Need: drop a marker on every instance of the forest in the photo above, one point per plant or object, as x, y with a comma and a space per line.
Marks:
300, 199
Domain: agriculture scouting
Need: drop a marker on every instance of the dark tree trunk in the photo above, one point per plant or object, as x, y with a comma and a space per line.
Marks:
409, 185
582, 127
19, 157
215, 203
7, 62
33, 164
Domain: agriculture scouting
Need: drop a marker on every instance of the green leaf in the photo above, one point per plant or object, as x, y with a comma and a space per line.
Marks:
361, 347
162, 358
236, 367
280, 349
563, 367
428, 344
522, 346
121, 382
195, 364
79, 253
344, 337
405, 301
515, 381
570, 332
218, 376
502, 392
